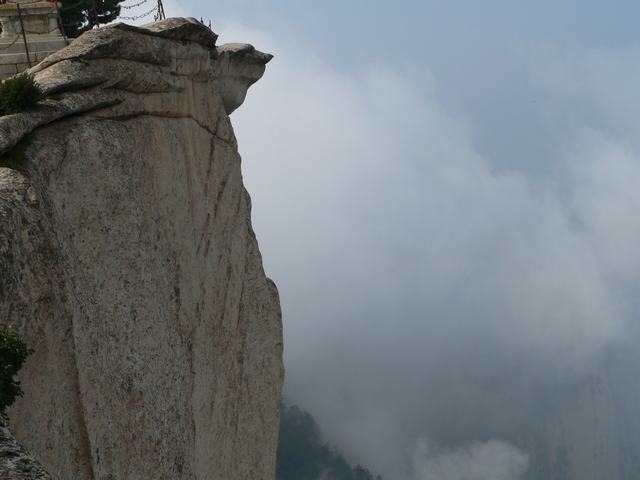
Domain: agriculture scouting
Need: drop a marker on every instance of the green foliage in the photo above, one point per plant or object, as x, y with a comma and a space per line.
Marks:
78, 16
13, 353
303, 456
18, 94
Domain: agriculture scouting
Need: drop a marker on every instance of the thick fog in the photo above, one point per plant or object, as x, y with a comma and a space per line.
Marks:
437, 293
433, 300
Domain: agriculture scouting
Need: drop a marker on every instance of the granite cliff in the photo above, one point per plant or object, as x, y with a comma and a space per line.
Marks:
128, 262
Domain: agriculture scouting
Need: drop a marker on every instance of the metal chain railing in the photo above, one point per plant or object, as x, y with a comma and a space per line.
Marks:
158, 12
36, 32
143, 15
13, 42
129, 7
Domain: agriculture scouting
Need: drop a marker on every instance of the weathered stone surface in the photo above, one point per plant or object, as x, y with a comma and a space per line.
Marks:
15, 462
128, 262
238, 66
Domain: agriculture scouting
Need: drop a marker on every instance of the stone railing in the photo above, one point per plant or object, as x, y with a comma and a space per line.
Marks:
42, 35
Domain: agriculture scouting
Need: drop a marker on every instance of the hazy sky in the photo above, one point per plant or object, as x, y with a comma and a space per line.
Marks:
446, 194
480, 52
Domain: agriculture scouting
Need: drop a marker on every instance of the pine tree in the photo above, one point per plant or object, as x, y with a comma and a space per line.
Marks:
13, 353
78, 16
303, 455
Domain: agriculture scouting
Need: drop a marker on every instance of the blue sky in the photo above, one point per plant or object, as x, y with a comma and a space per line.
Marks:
446, 196
469, 23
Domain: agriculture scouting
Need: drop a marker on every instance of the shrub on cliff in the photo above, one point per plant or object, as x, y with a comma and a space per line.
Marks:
13, 353
18, 94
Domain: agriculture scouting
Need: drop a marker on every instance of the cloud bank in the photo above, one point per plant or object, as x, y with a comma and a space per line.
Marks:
487, 461
428, 291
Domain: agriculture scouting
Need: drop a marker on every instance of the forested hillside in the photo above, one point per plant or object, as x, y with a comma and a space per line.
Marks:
302, 454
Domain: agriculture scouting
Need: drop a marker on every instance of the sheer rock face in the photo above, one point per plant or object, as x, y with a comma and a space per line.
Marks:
128, 262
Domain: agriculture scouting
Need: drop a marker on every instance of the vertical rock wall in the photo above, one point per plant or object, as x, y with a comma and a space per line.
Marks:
128, 262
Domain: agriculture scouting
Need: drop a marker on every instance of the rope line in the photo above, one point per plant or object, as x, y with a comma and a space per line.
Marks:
29, 32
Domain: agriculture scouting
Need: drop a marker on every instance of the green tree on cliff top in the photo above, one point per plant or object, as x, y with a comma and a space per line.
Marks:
78, 16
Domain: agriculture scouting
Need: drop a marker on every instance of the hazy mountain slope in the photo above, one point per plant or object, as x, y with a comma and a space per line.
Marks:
302, 454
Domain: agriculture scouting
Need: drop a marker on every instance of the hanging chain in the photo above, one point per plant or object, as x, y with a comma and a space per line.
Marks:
129, 7
137, 17
15, 40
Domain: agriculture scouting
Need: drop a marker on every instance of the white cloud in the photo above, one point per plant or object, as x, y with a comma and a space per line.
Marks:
492, 460
423, 290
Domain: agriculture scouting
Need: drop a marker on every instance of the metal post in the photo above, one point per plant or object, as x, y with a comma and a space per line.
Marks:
161, 14
24, 35
61, 23
95, 13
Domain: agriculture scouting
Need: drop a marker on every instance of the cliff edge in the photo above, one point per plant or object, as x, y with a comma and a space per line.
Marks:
128, 263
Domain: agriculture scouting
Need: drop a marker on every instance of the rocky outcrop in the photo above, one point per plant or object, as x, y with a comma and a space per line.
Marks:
128, 262
15, 462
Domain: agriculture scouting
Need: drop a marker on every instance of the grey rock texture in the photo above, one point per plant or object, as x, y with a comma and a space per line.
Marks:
15, 462
128, 262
